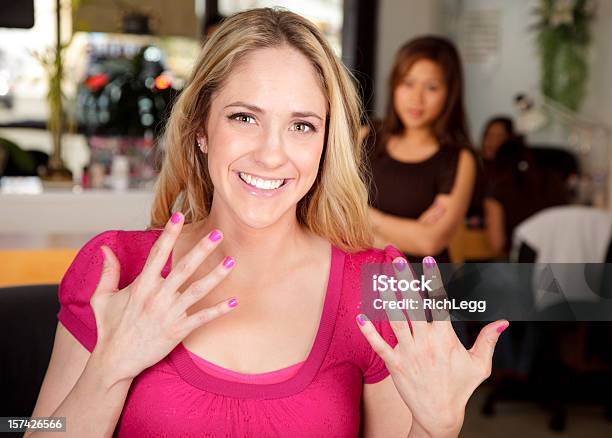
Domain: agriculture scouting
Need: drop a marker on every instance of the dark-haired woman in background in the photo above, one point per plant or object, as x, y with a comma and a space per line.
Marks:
423, 168
517, 190
497, 131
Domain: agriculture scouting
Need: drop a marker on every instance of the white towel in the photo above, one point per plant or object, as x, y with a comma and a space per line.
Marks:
564, 235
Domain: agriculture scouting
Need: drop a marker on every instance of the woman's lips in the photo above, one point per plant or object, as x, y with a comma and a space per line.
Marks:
415, 113
262, 193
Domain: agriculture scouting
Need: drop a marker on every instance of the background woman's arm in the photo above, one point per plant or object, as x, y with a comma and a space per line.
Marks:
414, 237
495, 224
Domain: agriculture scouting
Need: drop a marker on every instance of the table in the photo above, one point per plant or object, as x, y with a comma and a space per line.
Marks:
41, 234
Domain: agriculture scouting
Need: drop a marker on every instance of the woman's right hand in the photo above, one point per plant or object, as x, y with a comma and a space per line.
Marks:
432, 214
140, 324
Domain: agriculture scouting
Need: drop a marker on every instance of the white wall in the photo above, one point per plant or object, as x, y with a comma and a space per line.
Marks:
398, 22
490, 88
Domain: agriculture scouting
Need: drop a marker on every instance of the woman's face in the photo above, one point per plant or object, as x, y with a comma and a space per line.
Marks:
420, 96
494, 137
264, 134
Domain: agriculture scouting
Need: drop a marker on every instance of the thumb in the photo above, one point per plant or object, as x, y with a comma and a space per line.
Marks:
109, 279
487, 339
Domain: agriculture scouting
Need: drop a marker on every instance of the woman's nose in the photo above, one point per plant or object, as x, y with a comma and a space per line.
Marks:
271, 153
418, 94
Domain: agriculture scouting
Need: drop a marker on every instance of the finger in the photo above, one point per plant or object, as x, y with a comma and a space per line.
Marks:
162, 248
404, 273
379, 345
485, 343
199, 289
111, 270
193, 259
208, 314
436, 291
396, 317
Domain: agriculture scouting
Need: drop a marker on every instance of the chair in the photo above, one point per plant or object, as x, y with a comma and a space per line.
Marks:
28, 319
557, 159
552, 380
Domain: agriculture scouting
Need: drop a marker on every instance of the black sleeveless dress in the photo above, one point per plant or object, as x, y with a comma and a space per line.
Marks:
408, 189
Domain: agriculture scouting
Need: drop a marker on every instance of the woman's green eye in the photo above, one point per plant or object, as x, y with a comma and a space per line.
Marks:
303, 127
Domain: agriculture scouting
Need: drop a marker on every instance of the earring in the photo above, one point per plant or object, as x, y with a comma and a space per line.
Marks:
201, 146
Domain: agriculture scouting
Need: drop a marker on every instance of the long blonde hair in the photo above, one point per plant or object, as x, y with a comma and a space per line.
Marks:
336, 205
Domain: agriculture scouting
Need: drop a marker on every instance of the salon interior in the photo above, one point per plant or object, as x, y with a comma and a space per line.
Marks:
86, 86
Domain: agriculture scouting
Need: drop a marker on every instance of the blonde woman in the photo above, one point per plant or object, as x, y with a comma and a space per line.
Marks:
237, 312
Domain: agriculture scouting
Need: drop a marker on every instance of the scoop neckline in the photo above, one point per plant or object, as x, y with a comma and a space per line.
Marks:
190, 372
411, 163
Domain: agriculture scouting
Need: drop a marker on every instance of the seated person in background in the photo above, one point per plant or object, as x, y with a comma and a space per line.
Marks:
497, 131
517, 190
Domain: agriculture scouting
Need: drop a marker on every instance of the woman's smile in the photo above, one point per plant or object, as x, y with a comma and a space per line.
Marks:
262, 187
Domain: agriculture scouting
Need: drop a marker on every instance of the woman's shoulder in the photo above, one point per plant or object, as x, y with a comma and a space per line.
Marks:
372, 138
373, 256
451, 154
128, 243
131, 247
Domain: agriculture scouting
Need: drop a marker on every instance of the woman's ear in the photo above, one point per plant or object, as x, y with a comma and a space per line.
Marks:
201, 139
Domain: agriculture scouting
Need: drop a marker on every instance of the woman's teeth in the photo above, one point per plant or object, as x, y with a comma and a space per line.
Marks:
264, 184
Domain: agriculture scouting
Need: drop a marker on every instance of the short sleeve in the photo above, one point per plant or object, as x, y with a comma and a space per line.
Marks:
377, 370
78, 285
448, 170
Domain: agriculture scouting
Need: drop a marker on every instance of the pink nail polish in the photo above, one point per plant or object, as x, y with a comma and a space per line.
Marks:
400, 263
228, 262
429, 261
232, 303
361, 320
502, 327
215, 235
176, 217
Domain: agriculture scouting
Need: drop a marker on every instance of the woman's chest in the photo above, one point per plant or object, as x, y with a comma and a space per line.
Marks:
272, 328
405, 191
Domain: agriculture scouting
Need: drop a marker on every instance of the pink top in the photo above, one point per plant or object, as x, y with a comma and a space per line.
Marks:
256, 378
179, 397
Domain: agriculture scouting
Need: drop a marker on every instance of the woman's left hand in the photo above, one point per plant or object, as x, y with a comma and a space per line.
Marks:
433, 372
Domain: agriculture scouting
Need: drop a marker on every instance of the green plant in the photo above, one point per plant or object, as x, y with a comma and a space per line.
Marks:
563, 39
52, 61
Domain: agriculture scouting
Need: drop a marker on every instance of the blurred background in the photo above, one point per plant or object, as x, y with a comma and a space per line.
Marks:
86, 86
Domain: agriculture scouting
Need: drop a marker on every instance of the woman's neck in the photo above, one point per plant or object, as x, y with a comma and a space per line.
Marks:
418, 137
261, 254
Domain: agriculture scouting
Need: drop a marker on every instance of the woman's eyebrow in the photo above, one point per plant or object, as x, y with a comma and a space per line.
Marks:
257, 109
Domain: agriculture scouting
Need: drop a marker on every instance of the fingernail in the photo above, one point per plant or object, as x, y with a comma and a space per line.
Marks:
502, 327
215, 235
228, 262
176, 217
233, 302
361, 319
400, 263
429, 261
